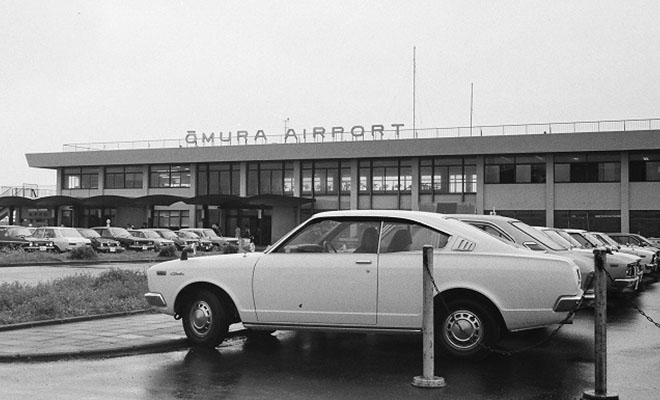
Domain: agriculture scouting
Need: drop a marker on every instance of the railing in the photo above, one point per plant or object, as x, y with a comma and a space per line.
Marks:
29, 191
297, 136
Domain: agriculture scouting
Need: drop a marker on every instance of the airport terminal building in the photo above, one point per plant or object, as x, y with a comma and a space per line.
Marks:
601, 175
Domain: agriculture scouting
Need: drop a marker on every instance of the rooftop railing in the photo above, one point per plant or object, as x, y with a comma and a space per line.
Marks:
29, 191
241, 138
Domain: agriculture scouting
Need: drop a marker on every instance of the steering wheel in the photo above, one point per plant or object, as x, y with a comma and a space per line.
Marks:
327, 246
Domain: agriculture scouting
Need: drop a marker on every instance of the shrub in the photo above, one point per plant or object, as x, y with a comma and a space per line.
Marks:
113, 291
83, 253
168, 251
229, 248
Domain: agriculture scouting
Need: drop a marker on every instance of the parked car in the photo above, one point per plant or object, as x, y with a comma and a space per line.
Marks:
361, 270
193, 238
64, 238
101, 244
170, 235
649, 258
220, 241
625, 270
127, 240
634, 240
519, 233
12, 235
158, 240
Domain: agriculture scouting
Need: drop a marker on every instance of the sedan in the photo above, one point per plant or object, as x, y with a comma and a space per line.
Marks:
101, 244
127, 240
519, 233
362, 271
16, 236
64, 238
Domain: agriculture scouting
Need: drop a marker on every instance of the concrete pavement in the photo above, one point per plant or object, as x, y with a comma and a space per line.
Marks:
102, 337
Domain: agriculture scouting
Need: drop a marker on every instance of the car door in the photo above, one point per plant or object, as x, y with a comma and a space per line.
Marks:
400, 268
322, 275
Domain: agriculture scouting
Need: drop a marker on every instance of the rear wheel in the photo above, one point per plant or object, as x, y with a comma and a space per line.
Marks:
466, 328
205, 320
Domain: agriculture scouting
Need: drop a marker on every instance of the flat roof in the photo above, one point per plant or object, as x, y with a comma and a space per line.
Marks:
454, 146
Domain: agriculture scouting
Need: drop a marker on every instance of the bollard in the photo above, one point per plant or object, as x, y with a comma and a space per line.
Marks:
600, 329
428, 378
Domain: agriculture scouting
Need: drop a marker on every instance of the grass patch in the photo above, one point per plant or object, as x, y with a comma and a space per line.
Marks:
9, 257
113, 291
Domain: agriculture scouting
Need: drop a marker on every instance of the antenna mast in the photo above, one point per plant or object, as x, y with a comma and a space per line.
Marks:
414, 89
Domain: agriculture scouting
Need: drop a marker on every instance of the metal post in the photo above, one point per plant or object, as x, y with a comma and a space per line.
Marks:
600, 329
428, 379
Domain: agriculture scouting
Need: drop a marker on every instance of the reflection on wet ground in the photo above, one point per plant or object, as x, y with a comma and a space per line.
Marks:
303, 365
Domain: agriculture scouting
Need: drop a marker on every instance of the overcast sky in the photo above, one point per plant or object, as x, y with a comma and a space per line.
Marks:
94, 71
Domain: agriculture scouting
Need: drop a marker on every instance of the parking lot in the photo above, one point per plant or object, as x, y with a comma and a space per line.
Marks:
303, 365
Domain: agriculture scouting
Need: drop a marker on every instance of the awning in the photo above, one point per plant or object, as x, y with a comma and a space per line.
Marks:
108, 201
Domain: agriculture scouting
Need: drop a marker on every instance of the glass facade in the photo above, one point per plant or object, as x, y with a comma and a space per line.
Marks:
515, 169
590, 220
448, 175
123, 177
270, 178
218, 178
80, 178
581, 168
169, 176
645, 167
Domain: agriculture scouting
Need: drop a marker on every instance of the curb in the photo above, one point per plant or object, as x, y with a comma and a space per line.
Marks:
156, 347
83, 262
34, 324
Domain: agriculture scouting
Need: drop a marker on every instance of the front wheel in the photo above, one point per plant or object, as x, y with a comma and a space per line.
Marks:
205, 320
465, 328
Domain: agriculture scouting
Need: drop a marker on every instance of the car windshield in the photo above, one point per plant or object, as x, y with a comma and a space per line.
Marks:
209, 233
537, 236
19, 232
69, 232
89, 233
167, 234
606, 239
187, 235
149, 234
586, 241
557, 238
569, 239
120, 232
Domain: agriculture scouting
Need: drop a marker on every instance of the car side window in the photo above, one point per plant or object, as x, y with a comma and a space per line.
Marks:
493, 231
402, 236
334, 236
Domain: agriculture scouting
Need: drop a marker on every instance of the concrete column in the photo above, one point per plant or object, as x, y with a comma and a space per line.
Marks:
625, 192
550, 190
414, 194
480, 201
355, 184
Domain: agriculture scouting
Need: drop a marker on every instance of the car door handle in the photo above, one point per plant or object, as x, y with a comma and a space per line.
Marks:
363, 262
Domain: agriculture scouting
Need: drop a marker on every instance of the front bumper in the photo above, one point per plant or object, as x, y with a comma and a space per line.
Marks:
155, 300
567, 303
625, 285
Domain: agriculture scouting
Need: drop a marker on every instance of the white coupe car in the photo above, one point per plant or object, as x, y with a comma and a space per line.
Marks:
362, 271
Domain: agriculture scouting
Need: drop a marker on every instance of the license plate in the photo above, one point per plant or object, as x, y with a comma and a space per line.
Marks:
43, 248
113, 250
144, 247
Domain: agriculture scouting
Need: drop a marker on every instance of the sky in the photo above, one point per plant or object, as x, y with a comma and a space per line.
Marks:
107, 71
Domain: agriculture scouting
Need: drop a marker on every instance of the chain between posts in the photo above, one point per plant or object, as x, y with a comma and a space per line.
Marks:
551, 335
639, 310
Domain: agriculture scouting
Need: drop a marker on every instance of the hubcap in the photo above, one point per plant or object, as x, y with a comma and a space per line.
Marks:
201, 318
462, 330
